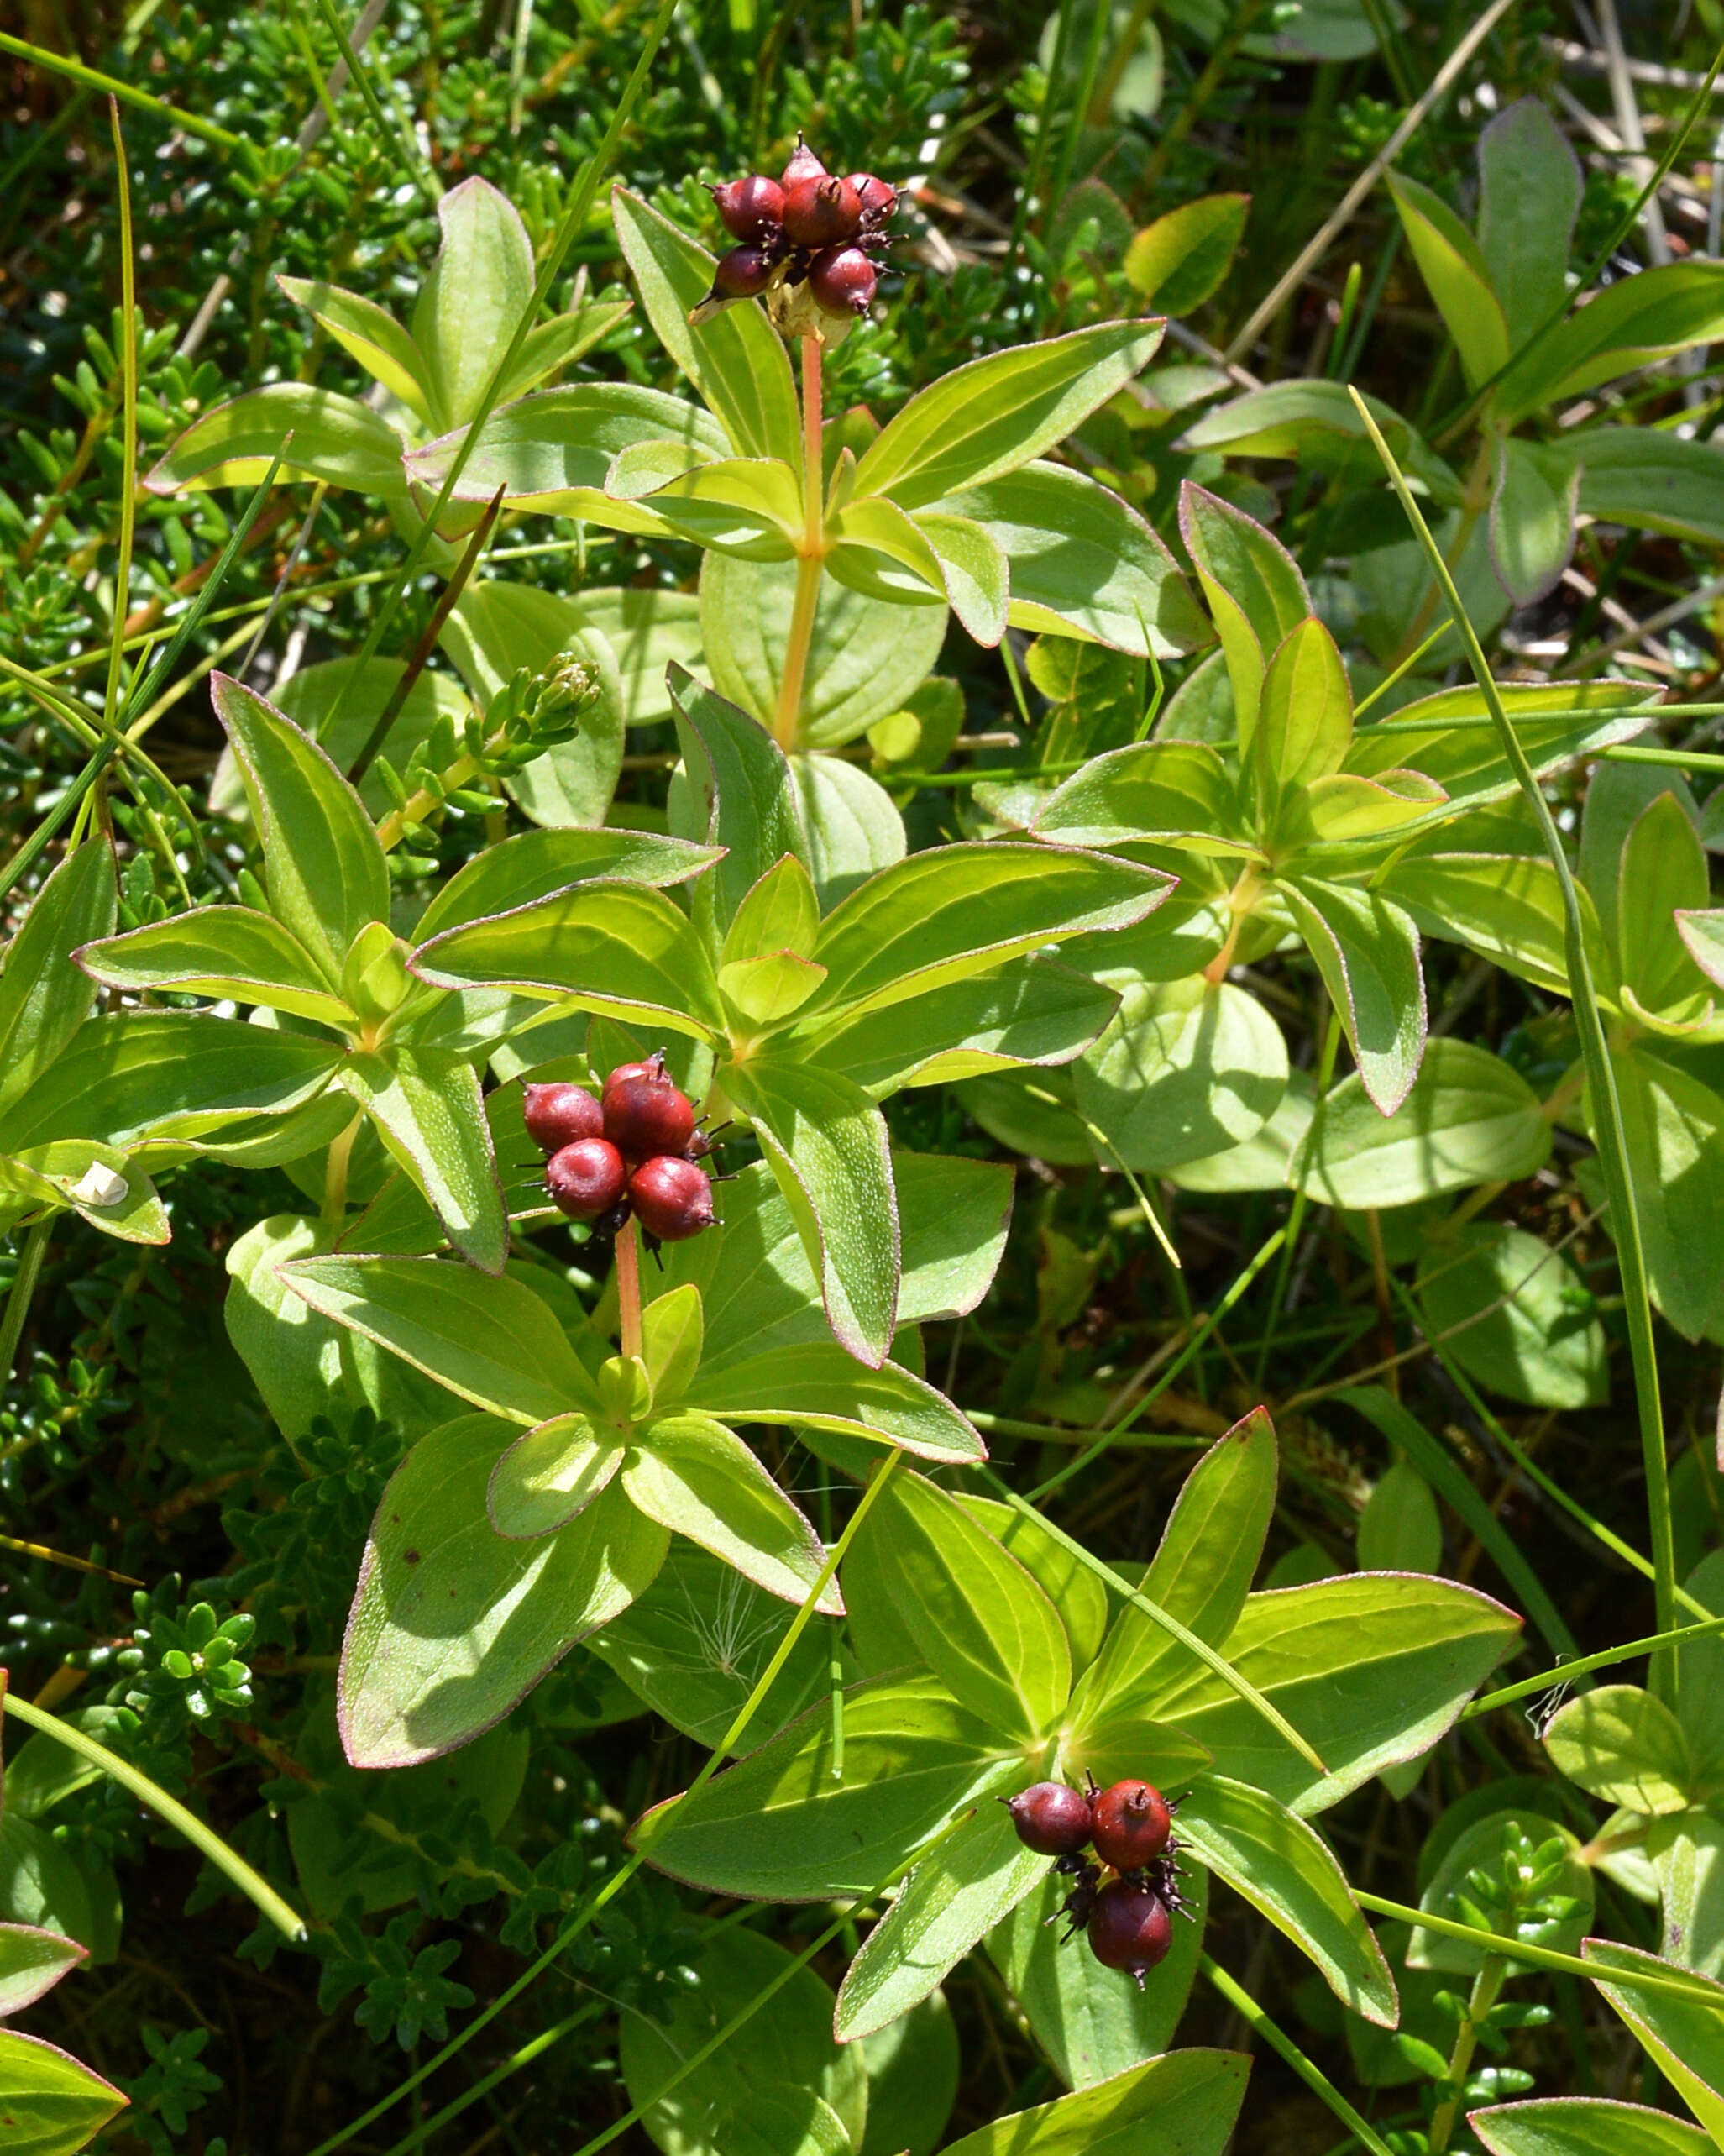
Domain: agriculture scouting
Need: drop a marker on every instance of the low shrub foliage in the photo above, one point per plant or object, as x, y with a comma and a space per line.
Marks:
862, 1141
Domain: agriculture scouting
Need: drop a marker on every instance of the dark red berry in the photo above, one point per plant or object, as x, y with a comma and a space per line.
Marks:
1132, 1825
878, 200
672, 1199
586, 1178
743, 273
646, 1113
557, 1116
842, 280
803, 165
1129, 1928
1051, 1818
823, 212
750, 208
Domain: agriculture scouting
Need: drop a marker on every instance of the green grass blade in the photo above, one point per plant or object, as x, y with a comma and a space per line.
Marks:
203, 1839
1607, 1109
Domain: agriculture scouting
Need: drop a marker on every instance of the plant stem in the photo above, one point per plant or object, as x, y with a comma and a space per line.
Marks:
1485, 1987
23, 1288
811, 555
1584, 1664
628, 1287
1606, 1117
203, 1839
1313, 2077
335, 1168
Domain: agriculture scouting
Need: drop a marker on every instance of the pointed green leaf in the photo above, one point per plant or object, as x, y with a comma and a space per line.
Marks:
452, 1624
616, 948
975, 571
547, 1477
1530, 189
1627, 325
43, 999
1685, 2037
777, 912
559, 343
1372, 1668
673, 1334
1506, 907
1032, 1010
1254, 588
50, 2103
984, 1626
1674, 1126
32, 1962
490, 1339
1514, 1315
747, 506
963, 910
167, 1076
1585, 2125
1180, 260
427, 1108
827, 1145
226, 950
1455, 270
324, 869
1188, 2102
823, 1387
471, 303
692, 1476
1083, 561
375, 337
782, 1825
990, 416
336, 439
534, 864
739, 779
737, 360
553, 450
1366, 949
1662, 872
759, 1293
1470, 1118
957, 1892
1651, 480
1305, 714
1285, 1869
1202, 1573
1179, 792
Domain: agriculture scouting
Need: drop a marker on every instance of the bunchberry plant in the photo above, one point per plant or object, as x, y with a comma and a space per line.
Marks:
847, 1077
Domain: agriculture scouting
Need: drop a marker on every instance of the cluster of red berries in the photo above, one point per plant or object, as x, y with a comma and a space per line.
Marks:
634, 1152
811, 228
1129, 1919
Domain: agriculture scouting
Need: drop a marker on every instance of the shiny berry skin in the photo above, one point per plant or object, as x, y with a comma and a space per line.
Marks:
878, 200
1129, 1928
803, 165
646, 1113
558, 1116
842, 280
672, 1199
586, 1178
1132, 1825
750, 208
1052, 1819
823, 212
743, 273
